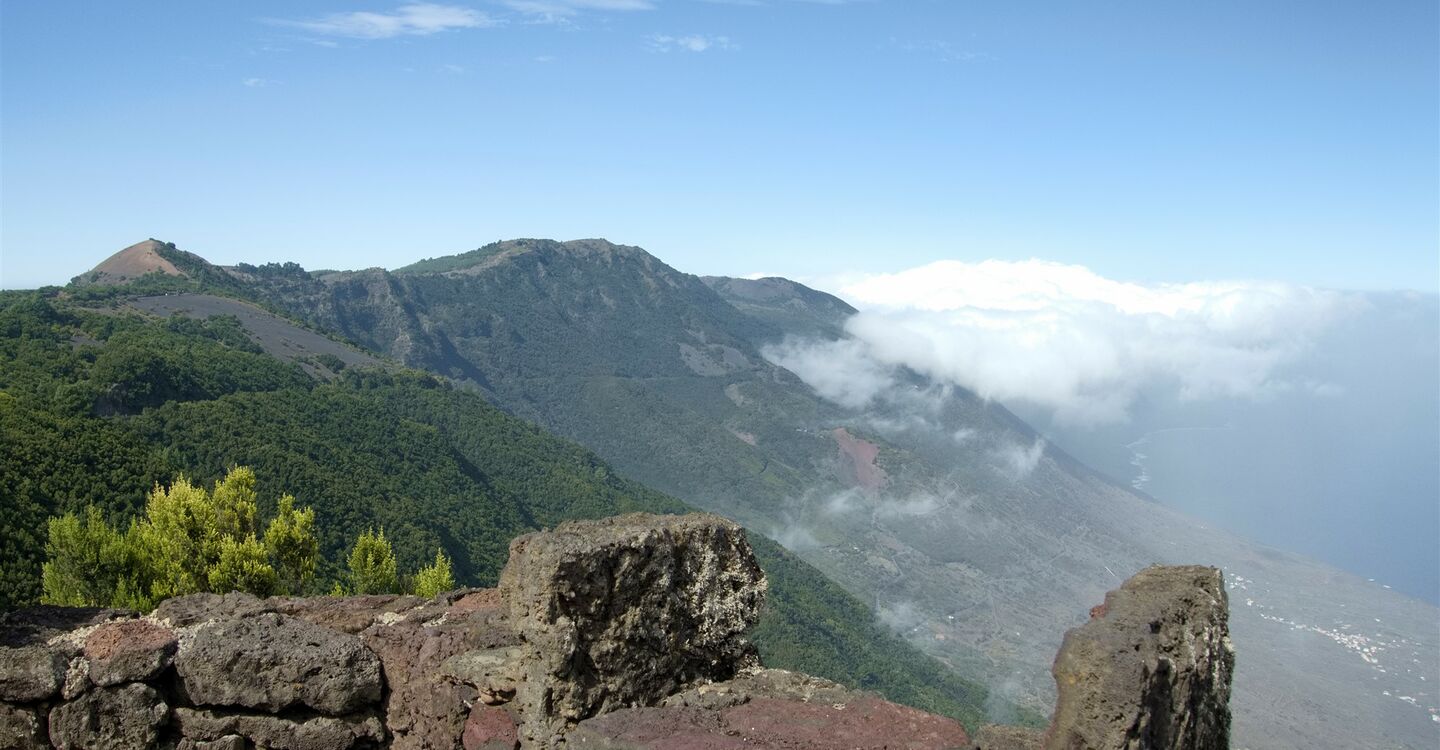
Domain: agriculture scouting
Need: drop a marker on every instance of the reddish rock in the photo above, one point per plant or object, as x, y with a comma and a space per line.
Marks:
129, 651
862, 723
490, 728
477, 600
425, 708
347, 614
859, 457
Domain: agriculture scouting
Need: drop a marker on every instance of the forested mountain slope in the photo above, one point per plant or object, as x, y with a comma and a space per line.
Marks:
964, 529
100, 399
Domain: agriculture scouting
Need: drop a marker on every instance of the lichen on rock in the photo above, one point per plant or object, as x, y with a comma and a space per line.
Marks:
625, 611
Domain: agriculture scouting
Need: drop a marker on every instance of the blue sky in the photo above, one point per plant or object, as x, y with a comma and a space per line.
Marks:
1147, 141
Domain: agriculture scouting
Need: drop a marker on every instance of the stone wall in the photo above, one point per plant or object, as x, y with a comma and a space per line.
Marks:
592, 617
621, 633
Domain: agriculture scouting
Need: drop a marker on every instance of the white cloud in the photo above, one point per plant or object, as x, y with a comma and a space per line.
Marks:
1017, 461
793, 535
898, 616
918, 504
554, 11
1063, 337
255, 83
840, 371
413, 19
689, 42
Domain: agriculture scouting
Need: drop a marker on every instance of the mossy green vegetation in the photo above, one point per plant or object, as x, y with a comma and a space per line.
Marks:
189, 540
437, 467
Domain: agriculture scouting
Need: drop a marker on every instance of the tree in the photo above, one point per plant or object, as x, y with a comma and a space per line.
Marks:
290, 539
234, 504
372, 565
436, 578
178, 541
188, 541
86, 560
243, 566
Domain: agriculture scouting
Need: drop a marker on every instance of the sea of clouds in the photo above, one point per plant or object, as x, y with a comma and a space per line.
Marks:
1064, 338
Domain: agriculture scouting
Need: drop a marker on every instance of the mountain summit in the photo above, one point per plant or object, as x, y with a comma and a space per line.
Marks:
131, 263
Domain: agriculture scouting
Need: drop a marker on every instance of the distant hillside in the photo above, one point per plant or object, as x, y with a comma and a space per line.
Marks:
792, 308
100, 403
966, 532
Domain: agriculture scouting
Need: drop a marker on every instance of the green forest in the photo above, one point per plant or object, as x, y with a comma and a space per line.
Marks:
100, 405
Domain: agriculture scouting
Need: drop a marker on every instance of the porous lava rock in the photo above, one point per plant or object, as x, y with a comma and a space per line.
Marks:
274, 662
194, 609
347, 614
304, 732
37, 645
129, 716
128, 651
625, 611
22, 728
771, 709
31, 673
490, 728
1151, 669
999, 737
426, 706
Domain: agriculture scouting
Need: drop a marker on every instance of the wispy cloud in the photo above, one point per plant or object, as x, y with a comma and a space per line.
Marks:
413, 19
938, 50
1017, 461
557, 11
689, 42
256, 83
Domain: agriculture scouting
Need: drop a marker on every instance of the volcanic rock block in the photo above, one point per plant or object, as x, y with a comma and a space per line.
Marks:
347, 614
128, 651
1151, 669
129, 716
490, 728
770, 709
274, 662
22, 728
194, 609
625, 611
201, 726
425, 705
31, 673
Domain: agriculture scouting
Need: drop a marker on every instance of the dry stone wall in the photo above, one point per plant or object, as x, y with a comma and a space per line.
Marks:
622, 633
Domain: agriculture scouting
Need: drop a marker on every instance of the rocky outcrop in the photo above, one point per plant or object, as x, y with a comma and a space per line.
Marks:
769, 708
1151, 669
998, 737
625, 611
621, 633
275, 662
591, 617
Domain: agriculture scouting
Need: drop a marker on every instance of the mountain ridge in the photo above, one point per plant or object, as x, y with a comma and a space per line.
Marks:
982, 533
